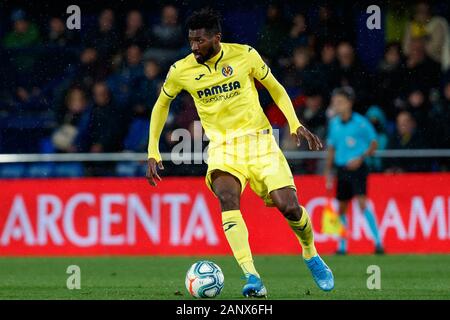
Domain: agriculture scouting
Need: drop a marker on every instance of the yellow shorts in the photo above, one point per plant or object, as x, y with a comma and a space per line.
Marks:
254, 158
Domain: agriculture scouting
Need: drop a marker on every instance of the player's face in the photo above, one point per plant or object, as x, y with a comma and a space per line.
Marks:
203, 45
341, 104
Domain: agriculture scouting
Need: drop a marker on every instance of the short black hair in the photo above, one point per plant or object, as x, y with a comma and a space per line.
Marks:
206, 18
345, 91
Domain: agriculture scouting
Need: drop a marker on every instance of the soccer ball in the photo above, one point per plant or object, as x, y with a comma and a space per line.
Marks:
204, 279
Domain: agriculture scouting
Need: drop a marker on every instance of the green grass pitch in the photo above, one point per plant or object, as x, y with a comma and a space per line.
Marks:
286, 277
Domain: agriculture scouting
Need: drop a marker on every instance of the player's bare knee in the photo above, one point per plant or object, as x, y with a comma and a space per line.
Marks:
229, 200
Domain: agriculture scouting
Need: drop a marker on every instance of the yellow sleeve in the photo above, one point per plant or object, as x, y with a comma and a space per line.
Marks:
171, 87
160, 111
258, 68
157, 120
282, 100
261, 71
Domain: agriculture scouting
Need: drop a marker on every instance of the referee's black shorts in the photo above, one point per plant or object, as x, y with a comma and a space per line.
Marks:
351, 183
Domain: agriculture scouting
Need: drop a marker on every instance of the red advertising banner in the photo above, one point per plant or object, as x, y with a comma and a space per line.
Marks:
122, 216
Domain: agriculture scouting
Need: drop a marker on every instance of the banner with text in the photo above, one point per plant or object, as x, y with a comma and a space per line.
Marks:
124, 216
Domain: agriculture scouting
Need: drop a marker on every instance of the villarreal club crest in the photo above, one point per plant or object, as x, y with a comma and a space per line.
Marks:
227, 71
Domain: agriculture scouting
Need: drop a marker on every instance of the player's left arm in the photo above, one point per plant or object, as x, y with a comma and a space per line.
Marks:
282, 100
371, 136
371, 150
261, 71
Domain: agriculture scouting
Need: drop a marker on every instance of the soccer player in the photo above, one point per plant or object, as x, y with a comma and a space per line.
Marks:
221, 79
351, 139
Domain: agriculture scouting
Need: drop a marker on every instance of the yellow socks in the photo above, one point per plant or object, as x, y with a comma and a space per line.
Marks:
304, 232
237, 235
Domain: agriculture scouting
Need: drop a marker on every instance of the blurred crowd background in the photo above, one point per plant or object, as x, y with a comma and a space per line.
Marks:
92, 90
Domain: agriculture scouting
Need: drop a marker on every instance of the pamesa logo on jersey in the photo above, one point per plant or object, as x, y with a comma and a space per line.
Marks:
227, 71
227, 87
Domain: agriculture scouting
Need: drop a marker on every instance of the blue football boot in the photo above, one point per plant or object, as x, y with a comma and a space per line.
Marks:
321, 273
254, 288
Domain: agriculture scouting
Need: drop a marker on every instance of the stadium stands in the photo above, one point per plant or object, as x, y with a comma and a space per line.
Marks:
311, 48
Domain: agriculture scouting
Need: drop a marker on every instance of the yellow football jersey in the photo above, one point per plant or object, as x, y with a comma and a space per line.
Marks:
223, 90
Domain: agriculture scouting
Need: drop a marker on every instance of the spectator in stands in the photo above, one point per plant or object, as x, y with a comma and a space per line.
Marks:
72, 116
133, 67
419, 106
420, 70
376, 116
62, 45
328, 54
121, 81
407, 137
328, 68
440, 117
90, 69
105, 38
145, 88
135, 31
273, 33
25, 93
327, 29
168, 33
298, 35
105, 125
389, 76
346, 57
434, 30
58, 35
25, 34
351, 73
167, 37
303, 72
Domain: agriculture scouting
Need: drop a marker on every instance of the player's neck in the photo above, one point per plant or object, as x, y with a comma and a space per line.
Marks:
346, 116
215, 55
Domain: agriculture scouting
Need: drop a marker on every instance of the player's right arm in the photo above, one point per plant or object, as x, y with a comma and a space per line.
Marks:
160, 112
